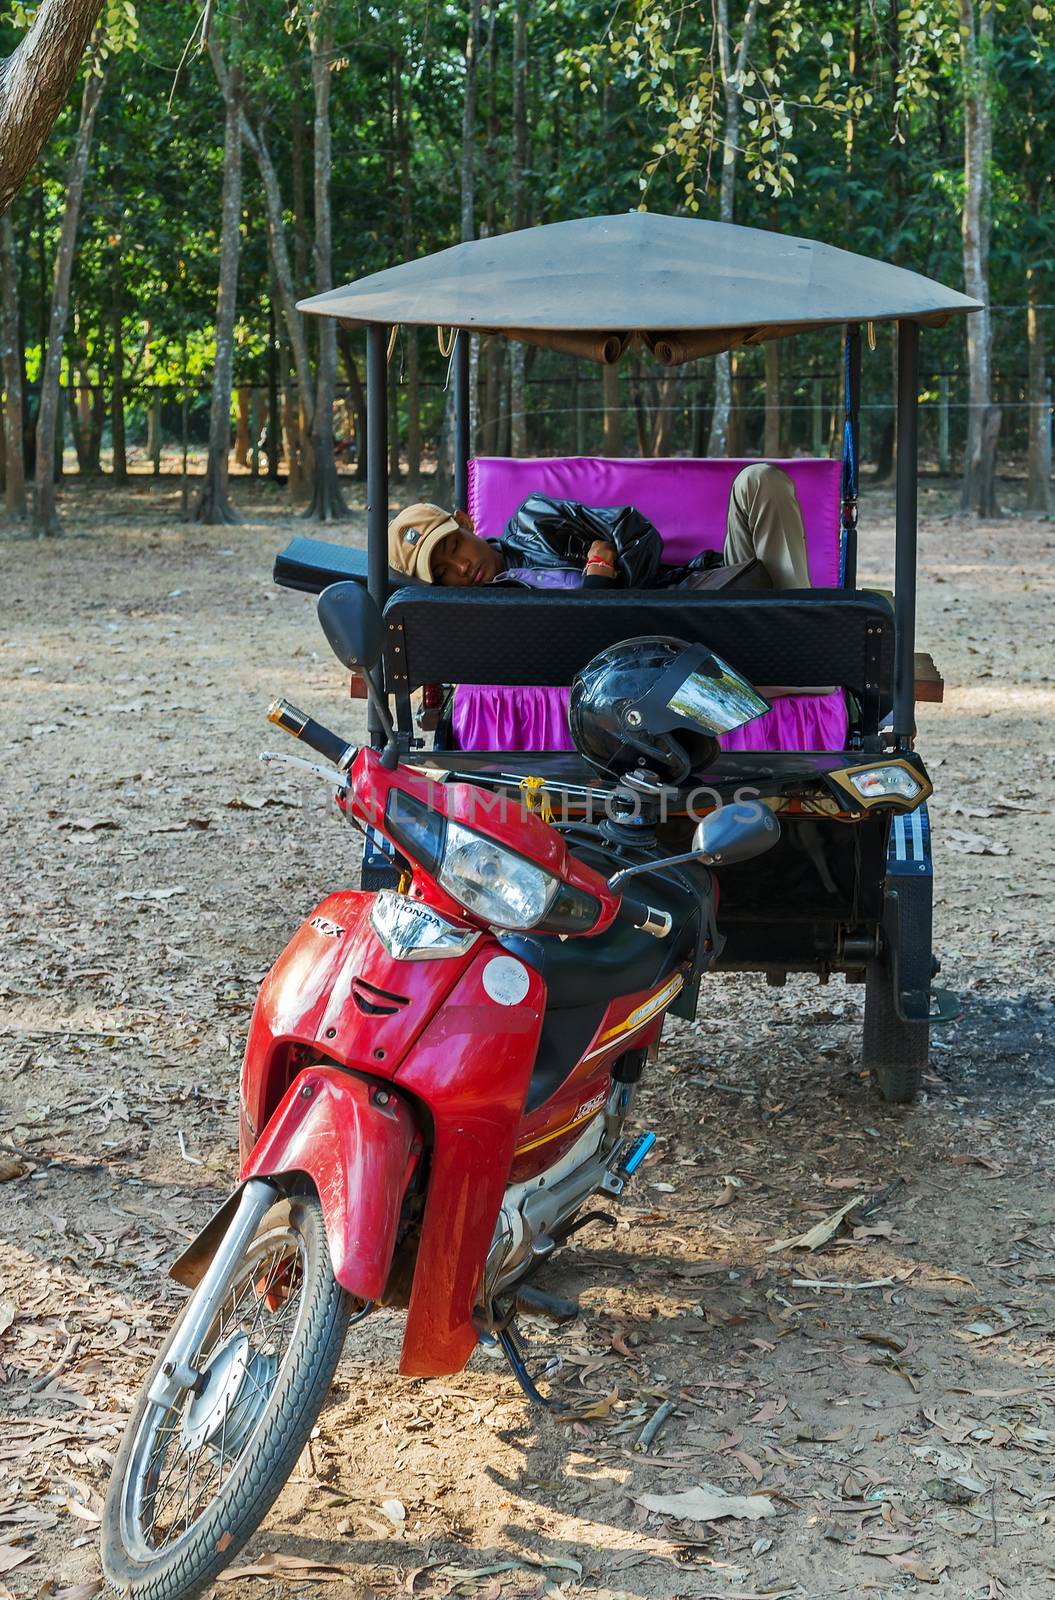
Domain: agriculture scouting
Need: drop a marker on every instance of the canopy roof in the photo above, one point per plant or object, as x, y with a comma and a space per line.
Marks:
679, 285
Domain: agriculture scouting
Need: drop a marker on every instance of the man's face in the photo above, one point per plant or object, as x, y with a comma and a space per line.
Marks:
461, 560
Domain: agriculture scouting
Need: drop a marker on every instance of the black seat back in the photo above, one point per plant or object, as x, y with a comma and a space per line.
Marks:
807, 638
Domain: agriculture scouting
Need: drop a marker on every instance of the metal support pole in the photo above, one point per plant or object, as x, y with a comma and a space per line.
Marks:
462, 442
377, 460
905, 514
851, 452
377, 479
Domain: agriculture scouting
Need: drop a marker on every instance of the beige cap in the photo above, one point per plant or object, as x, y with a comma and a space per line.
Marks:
414, 535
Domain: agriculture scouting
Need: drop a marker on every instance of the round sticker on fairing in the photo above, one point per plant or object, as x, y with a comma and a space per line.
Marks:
506, 981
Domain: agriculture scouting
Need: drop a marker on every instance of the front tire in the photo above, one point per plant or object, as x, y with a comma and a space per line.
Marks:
896, 1053
194, 1479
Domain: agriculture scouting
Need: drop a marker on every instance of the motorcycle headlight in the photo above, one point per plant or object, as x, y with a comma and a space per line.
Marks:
497, 886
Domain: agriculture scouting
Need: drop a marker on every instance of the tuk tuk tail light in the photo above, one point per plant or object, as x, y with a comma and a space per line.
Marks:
885, 783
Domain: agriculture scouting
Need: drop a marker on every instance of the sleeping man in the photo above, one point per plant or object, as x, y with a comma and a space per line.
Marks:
763, 523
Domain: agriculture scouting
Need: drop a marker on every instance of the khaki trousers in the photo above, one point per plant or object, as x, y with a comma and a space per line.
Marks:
765, 521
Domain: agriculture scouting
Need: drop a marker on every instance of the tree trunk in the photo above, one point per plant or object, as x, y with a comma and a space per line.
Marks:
327, 502
978, 495
45, 516
393, 430
413, 358
241, 431
10, 348
413, 405
93, 417
1038, 486
358, 398
213, 502
663, 427
732, 70
613, 421
517, 389
771, 440
34, 84
117, 383
300, 207
297, 436
468, 229
274, 422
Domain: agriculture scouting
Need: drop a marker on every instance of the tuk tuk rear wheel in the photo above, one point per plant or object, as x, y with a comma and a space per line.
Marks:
895, 1052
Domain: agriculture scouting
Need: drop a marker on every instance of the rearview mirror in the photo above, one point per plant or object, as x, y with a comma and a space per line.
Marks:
352, 624
735, 833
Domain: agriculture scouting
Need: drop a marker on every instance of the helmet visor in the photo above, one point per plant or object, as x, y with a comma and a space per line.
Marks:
715, 698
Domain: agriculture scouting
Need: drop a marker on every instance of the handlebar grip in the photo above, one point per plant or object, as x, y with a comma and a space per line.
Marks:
301, 726
645, 918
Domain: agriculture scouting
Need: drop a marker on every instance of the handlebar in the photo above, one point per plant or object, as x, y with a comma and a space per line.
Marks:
301, 726
645, 918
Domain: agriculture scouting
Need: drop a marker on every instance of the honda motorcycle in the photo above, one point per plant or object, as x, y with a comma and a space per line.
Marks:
437, 1082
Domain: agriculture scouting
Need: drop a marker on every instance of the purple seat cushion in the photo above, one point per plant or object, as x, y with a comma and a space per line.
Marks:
686, 498
489, 717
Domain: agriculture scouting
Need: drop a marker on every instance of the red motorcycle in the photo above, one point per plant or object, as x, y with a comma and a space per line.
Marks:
436, 1083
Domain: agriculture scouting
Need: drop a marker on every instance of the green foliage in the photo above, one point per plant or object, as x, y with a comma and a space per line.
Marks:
851, 130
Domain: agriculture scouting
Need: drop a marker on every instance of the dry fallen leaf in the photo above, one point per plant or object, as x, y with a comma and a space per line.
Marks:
974, 844
888, 1341
973, 1159
911, 1564
949, 1491
597, 1408
274, 1565
10, 1557
708, 1504
821, 1232
10, 1168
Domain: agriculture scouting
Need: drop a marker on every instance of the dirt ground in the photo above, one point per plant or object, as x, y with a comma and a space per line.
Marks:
902, 1436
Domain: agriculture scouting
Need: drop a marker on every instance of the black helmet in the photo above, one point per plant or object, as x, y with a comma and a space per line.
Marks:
657, 703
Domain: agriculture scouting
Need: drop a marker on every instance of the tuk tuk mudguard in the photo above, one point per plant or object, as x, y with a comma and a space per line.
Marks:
908, 891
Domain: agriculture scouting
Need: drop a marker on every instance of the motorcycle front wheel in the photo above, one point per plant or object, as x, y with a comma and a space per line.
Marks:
196, 1476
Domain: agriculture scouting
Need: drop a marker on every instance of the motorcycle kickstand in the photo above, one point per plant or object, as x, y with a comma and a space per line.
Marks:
511, 1351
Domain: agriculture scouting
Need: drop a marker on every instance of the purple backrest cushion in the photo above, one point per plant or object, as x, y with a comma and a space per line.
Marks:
686, 498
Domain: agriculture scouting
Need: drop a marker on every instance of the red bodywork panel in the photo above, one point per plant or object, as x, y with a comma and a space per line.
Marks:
465, 1058
314, 997
457, 1037
472, 1067
631, 1022
359, 1154
506, 820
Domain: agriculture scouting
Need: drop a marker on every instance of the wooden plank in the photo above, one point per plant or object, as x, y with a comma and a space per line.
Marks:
930, 685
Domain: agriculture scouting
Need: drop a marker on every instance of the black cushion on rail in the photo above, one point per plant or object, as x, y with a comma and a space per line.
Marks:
806, 637
311, 565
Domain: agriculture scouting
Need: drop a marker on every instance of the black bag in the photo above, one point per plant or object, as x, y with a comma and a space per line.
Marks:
558, 533
742, 575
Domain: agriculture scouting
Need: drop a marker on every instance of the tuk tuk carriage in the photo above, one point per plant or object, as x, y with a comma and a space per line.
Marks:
849, 888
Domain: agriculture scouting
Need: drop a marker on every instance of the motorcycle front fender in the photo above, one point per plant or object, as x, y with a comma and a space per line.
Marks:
359, 1143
